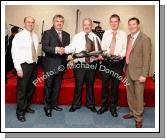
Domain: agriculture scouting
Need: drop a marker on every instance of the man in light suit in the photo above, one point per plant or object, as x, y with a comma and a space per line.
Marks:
138, 56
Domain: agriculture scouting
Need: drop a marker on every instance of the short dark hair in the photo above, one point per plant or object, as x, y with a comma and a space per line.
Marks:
58, 16
134, 18
115, 16
15, 29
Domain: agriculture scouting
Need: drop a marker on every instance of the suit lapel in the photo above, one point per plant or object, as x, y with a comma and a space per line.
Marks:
54, 32
136, 41
63, 37
57, 36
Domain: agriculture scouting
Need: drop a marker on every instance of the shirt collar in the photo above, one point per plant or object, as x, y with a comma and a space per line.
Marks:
28, 32
117, 31
136, 34
59, 31
87, 33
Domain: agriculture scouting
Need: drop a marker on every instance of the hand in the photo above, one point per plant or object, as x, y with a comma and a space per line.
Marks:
69, 58
100, 57
124, 68
20, 73
60, 50
142, 79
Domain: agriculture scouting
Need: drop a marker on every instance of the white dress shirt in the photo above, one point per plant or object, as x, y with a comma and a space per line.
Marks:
121, 42
22, 48
78, 44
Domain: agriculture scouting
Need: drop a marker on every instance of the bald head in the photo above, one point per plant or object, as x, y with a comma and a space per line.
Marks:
29, 23
87, 20
87, 25
29, 18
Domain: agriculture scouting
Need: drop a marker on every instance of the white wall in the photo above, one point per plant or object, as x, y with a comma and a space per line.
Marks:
146, 14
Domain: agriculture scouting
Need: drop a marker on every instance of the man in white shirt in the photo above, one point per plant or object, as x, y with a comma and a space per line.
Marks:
83, 74
114, 41
24, 54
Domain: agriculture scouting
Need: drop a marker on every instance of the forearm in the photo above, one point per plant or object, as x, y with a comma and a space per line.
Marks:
69, 49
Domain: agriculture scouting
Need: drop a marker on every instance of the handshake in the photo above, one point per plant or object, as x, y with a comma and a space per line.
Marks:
60, 50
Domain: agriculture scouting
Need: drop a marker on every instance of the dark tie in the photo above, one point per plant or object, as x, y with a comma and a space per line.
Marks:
60, 39
60, 36
89, 47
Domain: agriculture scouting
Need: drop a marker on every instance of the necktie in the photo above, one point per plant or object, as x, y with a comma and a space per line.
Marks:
89, 47
129, 49
60, 36
34, 53
98, 45
113, 43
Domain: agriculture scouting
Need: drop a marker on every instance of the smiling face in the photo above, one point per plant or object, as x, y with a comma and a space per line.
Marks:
133, 26
87, 25
29, 23
114, 23
58, 23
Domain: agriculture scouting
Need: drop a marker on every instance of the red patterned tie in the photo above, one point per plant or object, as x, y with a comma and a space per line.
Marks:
129, 49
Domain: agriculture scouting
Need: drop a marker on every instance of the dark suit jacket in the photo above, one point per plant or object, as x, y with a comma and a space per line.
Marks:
50, 41
140, 56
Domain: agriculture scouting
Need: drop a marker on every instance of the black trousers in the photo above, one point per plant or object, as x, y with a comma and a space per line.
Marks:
52, 88
82, 75
115, 69
25, 87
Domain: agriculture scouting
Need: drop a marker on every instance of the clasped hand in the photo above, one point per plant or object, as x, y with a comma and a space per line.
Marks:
60, 50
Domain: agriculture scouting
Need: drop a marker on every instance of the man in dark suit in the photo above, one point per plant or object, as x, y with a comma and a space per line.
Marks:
54, 63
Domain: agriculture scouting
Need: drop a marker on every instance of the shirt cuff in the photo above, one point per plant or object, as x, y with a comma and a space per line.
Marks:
56, 49
18, 67
65, 50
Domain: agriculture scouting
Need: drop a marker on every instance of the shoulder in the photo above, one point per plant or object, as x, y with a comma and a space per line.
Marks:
66, 33
144, 36
19, 36
48, 31
122, 32
107, 31
78, 34
21, 33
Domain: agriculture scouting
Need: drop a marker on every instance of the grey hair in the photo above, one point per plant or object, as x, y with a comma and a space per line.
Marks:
87, 19
58, 16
